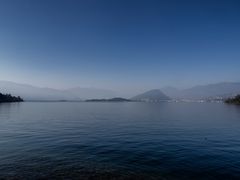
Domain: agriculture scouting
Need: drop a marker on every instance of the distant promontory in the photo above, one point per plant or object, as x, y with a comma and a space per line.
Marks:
117, 99
235, 100
9, 98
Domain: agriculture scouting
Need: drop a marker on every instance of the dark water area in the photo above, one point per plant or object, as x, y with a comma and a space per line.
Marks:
127, 140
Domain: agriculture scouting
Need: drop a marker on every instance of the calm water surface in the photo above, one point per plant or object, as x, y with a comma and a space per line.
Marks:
119, 141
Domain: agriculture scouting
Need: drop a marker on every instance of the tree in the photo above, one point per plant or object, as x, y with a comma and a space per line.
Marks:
9, 98
235, 100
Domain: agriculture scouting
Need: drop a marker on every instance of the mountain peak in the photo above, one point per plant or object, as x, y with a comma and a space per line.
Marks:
152, 95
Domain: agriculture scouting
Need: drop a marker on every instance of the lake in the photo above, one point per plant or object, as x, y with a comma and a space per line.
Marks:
125, 140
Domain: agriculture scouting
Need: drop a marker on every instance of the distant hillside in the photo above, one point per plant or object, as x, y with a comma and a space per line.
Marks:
226, 89
172, 92
33, 93
117, 99
9, 98
152, 95
28, 92
217, 91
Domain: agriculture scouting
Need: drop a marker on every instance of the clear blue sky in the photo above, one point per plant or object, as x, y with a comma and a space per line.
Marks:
125, 44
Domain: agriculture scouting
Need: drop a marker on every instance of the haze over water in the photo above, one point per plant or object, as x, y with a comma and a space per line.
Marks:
125, 140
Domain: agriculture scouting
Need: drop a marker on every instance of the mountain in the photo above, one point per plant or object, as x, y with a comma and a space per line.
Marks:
171, 92
28, 92
33, 93
152, 95
225, 89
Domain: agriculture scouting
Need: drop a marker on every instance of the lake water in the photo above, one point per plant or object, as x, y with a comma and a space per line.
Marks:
127, 140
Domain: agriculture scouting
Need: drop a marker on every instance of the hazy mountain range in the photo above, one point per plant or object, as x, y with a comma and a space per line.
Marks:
152, 95
33, 93
225, 89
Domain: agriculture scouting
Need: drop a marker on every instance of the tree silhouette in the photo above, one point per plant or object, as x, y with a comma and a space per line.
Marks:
235, 100
9, 98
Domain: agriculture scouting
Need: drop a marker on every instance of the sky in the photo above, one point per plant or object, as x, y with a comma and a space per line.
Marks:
126, 45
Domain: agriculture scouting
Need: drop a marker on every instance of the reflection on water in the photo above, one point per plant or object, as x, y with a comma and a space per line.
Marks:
119, 141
